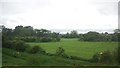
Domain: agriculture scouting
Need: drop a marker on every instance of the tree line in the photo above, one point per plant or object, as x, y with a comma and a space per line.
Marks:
94, 36
29, 34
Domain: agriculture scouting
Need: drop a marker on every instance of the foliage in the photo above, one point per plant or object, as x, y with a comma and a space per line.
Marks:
17, 45
31, 60
28, 39
106, 57
96, 58
60, 51
72, 34
58, 39
36, 49
94, 36
102, 57
16, 54
45, 39
28, 34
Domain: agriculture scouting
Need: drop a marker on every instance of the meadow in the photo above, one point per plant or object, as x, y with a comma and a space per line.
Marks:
72, 47
77, 48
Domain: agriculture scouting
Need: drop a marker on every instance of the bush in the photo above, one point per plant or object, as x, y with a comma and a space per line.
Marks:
95, 58
7, 44
45, 39
34, 49
58, 39
37, 49
60, 51
16, 45
102, 57
106, 57
28, 39
16, 54
19, 46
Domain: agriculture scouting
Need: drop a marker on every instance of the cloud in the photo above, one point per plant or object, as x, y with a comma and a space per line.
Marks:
61, 14
10, 7
106, 7
10, 22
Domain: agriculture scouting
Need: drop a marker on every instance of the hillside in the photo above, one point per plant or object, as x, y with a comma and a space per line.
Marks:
26, 59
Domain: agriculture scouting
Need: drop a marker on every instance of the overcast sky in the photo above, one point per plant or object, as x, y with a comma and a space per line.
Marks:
61, 15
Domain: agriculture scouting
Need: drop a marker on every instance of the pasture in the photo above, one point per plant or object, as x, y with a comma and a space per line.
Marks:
77, 48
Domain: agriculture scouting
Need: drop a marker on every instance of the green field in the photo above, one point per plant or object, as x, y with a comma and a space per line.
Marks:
78, 48
27, 59
72, 47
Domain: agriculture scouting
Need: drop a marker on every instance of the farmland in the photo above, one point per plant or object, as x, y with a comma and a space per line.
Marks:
78, 48
72, 47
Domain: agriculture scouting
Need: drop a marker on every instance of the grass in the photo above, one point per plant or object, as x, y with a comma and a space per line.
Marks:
72, 47
78, 48
37, 60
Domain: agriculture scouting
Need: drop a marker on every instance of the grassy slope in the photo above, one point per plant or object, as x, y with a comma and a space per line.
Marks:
77, 48
72, 47
37, 59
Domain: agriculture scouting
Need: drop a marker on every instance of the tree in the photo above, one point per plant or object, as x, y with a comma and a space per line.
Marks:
116, 35
28, 30
74, 34
60, 51
19, 31
117, 31
7, 33
91, 36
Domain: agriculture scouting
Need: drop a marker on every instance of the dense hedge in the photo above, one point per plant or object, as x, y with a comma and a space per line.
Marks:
16, 45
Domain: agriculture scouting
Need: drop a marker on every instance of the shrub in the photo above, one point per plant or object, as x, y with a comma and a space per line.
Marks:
106, 57
37, 49
95, 58
7, 44
34, 49
102, 57
58, 39
16, 45
19, 46
60, 51
28, 39
16, 54
45, 39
